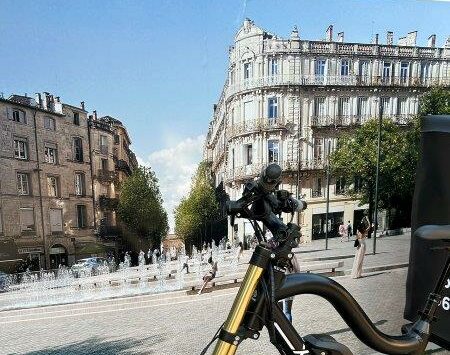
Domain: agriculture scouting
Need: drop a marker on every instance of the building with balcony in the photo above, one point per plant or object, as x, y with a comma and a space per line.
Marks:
57, 175
287, 100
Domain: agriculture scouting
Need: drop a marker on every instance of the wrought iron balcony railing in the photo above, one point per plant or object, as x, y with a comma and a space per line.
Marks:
338, 80
255, 125
106, 175
107, 203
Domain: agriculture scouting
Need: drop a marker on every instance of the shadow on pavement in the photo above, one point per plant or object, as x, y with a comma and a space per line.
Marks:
375, 274
97, 346
344, 330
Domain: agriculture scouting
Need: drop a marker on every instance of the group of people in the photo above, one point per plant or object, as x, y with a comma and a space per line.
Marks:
345, 231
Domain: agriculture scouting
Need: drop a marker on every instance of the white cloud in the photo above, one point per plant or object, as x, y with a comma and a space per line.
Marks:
174, 168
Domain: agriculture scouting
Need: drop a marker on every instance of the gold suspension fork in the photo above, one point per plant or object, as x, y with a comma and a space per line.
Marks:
240, 305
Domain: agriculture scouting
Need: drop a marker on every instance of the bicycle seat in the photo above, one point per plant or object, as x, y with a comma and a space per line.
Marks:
321, 342
433, 232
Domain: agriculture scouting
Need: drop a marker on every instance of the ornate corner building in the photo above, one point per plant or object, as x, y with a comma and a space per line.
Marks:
60, 176
288, 100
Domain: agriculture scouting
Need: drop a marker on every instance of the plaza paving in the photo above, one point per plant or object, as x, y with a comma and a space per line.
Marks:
176, 323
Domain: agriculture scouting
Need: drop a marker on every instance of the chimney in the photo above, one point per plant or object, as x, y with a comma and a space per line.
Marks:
402, 41
95, 115
390, 38
447, 43
340, 37
39, 99
57, 99
82, 105
411, 39
431, 41
294, 34
375, 39
329, 34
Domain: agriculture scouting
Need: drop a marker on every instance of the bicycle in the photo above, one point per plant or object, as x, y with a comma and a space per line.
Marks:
265, 284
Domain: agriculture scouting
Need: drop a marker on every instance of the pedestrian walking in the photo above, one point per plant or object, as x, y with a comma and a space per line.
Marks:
240, 251
287, 302
349, 231
342, 231
186, 264
210, 275
360, 244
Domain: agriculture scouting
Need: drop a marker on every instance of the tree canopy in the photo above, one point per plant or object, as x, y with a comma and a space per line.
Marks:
356, 156
197, 212
140, 206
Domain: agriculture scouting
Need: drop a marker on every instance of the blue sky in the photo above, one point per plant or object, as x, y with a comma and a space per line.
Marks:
159, 66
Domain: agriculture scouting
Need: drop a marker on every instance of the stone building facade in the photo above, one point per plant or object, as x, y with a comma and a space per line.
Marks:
48, 205
288, 100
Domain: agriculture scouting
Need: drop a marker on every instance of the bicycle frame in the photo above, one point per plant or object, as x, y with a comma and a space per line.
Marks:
249, 313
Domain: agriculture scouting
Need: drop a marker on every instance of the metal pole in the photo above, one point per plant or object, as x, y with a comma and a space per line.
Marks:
328, 194
375, 219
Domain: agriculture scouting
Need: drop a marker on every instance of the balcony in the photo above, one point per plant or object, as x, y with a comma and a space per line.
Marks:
336, 80
352, 121
107, 203
101, 125
316, 193
108, 231
255, 126
122, 165
106, 175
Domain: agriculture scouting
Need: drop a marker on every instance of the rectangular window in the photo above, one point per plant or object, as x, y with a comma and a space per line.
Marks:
386, 70
273, 66
385, 104
232, 159
425, 71
81, 216
273, 150
53, 186
364, 68
232, 76
404, 71
319, 106
247, 70
50, 153
103, 144
76, 118
20, 149
345, 66
402, 106
23, 186
79, 184
317, 191
78, 149
104, 164
319, 69
1, 222
273, 108
318, 148
56, 223
248, 110
27, 219
49, 123
344, 106
340, 185
248, 154
362, 106
19, 116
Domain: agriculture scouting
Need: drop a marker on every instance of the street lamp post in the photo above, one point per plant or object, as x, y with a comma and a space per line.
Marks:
328, 194
375, 217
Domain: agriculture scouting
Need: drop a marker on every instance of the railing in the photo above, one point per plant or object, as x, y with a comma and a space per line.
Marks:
341, 80
106, 175
251, 171
255, 125
101, 125
107, 203
316, 193
123, 166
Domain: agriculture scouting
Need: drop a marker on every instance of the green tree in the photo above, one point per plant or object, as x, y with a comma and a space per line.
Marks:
399, 154
140, 206
197, 212
356, 156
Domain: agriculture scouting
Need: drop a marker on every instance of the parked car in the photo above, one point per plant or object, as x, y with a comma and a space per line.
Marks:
4, 284
88, 266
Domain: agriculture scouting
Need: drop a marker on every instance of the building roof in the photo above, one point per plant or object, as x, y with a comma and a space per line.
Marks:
19, 101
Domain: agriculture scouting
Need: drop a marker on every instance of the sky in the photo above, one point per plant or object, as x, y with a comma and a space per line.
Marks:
159, 66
